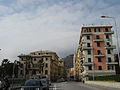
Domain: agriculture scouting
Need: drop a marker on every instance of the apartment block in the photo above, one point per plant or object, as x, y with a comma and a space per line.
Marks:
79, 68
96, 47
43, 63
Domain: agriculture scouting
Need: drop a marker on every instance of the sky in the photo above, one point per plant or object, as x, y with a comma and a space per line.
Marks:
54, 25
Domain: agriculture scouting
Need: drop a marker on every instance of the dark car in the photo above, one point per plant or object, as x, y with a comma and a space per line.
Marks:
35, 84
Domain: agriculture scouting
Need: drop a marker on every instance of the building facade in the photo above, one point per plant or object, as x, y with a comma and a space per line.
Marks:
96, 47
79, 68
43, 63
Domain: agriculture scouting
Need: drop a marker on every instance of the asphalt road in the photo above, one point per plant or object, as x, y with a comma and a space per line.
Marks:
76, 86
71, 86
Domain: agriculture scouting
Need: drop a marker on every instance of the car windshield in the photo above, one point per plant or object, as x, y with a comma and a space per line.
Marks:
32, 83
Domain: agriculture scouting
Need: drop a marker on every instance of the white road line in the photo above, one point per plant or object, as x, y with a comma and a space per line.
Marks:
54, 87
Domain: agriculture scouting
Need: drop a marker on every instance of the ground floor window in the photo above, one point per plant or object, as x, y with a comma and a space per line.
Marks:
89, 67
110, 67
99, 67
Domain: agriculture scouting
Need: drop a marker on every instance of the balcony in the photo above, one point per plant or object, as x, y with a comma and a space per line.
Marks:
81, 57
99, 55
112, 63
110, 46
87, 48
111, 32
98, 40
87, 33
88, 63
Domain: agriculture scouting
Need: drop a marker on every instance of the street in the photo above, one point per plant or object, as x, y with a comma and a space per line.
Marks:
75, 86
71, 86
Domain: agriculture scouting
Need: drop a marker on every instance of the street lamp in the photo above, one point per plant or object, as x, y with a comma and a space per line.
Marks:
116, 31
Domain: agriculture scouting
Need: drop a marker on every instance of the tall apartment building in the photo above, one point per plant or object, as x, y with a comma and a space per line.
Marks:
39, 63
79, 68
97, 50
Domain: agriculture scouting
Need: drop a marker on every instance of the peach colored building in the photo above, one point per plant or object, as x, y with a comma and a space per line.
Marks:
43, 63
97, 48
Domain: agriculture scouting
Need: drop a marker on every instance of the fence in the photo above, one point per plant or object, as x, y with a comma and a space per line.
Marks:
106, 78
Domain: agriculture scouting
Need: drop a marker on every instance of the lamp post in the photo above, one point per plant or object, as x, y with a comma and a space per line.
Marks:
116, 31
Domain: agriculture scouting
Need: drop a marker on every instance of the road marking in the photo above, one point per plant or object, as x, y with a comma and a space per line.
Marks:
55, 87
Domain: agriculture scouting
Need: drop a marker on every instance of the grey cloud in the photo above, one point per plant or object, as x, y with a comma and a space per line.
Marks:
55, 27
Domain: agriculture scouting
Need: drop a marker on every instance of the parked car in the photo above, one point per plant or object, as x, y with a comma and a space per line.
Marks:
45, 83
35, 84
61, 80
4, 84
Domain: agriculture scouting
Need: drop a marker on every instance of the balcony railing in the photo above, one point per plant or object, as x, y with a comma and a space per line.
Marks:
88, 63
111, 32
81, 57
99, 55
87, 33
98, 40
113, 62
87, 48
110, 46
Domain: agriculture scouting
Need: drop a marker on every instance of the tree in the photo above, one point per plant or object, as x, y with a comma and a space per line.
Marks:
6, 67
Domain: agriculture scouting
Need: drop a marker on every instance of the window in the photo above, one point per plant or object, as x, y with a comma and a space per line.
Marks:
99, 59
108, 44
98, 44
88, 44
89, 59
34, 59
46, 59
108, 51
88, 30
97, 29
89, 52
22, 59
97, 37
99, 67
107, 36
46, 65
106, 30
89, 67
46, 72
34, 65
34, 72
21, 72
99, 52
21, 65
88, 37
110, 67
109, 59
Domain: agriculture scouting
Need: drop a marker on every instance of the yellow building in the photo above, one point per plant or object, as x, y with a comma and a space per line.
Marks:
78, 61
41, 63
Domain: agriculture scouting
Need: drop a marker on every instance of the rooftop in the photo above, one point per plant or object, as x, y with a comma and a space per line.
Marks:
90, 26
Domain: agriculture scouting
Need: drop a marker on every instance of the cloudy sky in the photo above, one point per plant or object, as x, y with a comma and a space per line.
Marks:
33, 25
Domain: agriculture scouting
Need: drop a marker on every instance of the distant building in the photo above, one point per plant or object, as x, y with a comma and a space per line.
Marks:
61, 69
70, 73
96, 50
44, 63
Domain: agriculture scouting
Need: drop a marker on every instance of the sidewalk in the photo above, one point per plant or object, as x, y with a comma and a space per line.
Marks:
14, 87
104, 83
